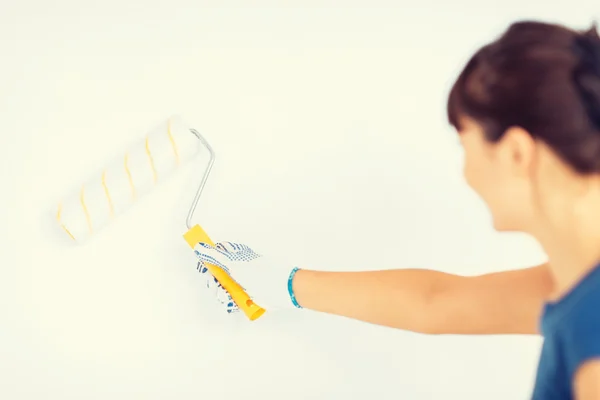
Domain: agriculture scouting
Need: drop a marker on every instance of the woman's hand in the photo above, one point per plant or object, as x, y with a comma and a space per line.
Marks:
266, 281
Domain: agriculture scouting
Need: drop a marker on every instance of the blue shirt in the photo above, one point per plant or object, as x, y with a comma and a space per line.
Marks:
571, 330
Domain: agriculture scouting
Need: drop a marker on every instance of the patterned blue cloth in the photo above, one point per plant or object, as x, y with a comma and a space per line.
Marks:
233, 252
270, 280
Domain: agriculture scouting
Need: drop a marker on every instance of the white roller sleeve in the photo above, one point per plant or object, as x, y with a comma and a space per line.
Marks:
129, 176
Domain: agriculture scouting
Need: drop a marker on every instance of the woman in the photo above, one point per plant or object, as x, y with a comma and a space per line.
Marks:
527, 110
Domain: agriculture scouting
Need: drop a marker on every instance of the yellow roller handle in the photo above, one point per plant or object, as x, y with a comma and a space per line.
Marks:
197, 235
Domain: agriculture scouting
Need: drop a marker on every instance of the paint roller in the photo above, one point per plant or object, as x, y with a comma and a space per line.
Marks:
133, 174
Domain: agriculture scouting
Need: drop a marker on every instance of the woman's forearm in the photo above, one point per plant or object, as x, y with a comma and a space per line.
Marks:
395, 298
429, 301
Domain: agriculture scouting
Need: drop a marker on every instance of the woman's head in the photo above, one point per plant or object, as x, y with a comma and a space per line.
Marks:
527, 107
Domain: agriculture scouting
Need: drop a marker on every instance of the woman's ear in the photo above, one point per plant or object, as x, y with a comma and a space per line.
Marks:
517, 150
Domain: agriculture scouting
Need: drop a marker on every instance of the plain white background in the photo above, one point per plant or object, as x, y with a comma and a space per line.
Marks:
333, 151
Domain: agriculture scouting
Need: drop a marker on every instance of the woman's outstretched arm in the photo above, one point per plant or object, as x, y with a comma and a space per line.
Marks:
429, 301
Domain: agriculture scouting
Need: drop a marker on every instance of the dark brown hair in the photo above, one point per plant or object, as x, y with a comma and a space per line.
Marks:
542, 77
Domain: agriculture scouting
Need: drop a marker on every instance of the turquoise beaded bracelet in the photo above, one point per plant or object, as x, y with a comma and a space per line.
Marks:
291, 288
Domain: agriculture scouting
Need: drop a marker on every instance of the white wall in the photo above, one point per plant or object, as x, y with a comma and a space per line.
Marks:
328, 121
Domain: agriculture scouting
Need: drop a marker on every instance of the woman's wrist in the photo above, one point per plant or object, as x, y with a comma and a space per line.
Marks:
301, 285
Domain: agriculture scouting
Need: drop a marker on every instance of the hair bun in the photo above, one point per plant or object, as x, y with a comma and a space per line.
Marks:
587, 45
587, 73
